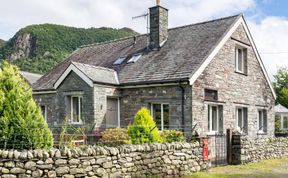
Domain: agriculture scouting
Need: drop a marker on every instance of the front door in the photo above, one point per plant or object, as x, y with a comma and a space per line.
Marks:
112, 113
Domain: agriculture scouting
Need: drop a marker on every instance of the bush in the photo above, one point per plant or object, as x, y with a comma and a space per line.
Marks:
172, 136
143, 129
277, 124
22, 125
115, 136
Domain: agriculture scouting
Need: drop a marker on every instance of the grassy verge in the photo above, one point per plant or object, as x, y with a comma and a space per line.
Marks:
267, 168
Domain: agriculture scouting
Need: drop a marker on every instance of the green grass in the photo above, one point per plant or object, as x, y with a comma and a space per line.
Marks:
267, 168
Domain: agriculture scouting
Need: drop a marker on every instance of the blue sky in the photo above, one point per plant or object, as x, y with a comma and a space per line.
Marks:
267, 19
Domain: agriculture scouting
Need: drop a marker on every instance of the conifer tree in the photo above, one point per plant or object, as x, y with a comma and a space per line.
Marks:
143, 129
22, 125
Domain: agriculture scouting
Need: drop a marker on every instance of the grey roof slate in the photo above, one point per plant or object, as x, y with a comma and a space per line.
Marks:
98, 74
183, 53
30, 77
280, 109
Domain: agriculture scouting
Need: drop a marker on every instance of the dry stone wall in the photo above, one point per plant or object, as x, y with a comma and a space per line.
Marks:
245, 150
163, 160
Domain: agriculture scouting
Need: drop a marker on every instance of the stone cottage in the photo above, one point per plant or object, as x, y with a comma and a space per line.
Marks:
206, 77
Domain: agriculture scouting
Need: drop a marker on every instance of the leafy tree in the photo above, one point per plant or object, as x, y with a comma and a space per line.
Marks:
22, 125
143, 129
281, 86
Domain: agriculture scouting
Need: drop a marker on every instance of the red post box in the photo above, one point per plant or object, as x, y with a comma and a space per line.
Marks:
205, 149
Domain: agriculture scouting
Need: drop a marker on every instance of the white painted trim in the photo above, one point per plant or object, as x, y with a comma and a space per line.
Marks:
77, 71
116, 77
258, 119
43, 92
282, 121
207, 61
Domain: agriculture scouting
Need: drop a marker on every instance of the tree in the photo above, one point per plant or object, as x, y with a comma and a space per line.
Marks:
143, 129
22, 125
281, 86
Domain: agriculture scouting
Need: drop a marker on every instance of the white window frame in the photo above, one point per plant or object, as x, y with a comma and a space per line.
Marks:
210, 119
162, 113
134, 58
79, 108
45, 111
237, 118
260, 130
282, 121
242, 58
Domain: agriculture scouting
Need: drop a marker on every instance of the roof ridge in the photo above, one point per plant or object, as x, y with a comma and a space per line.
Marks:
96, 67
208, 21
184, 26
110, 41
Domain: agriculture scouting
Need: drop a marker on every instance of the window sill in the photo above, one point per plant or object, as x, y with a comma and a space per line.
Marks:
241, 73
214, 133
262, 133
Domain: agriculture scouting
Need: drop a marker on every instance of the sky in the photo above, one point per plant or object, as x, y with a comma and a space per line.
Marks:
267, 19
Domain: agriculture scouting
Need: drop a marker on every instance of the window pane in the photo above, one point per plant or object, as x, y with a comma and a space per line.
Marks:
75, 103
285, 122
43, 111
166, 116
157, 115
240, 60
260, 115
214, 118
240, 118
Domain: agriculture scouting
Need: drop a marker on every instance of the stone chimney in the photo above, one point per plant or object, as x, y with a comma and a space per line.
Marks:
158, 25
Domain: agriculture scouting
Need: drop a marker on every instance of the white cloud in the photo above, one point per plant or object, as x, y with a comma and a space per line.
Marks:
15, 14
270, 36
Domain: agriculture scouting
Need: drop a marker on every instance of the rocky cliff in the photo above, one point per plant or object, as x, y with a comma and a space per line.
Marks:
38, 48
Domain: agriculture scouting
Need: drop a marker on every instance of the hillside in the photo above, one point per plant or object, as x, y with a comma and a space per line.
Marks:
38, 48
2, 42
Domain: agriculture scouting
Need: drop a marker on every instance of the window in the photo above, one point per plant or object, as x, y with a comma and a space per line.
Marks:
160, 113
44, 111
284, 121
211, 95
119, 61
241, 60
215, 118
241, 119
262, 120
134, 58
75, 109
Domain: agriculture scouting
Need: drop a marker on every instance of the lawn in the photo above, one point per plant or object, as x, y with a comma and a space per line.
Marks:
267, 168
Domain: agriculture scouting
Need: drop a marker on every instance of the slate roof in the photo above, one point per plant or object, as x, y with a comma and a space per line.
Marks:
98, 74
30, 77
183, 53
280, 109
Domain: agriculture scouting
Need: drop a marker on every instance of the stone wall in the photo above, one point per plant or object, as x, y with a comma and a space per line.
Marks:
245, 150
170, 160
234, 89
134, 98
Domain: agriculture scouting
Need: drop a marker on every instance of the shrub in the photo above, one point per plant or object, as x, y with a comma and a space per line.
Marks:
172, 136
115, 136
143, 129
22, 125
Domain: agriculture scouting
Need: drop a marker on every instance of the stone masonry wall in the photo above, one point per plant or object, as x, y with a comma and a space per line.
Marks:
134, 98
234, 89
245, 150
169, 160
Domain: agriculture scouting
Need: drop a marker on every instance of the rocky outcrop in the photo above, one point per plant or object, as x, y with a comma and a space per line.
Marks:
24, 47
163, 160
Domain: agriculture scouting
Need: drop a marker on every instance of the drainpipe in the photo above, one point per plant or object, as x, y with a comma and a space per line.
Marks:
182, 105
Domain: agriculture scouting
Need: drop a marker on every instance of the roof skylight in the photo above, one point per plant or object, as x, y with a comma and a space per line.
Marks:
134, 58
119, 60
